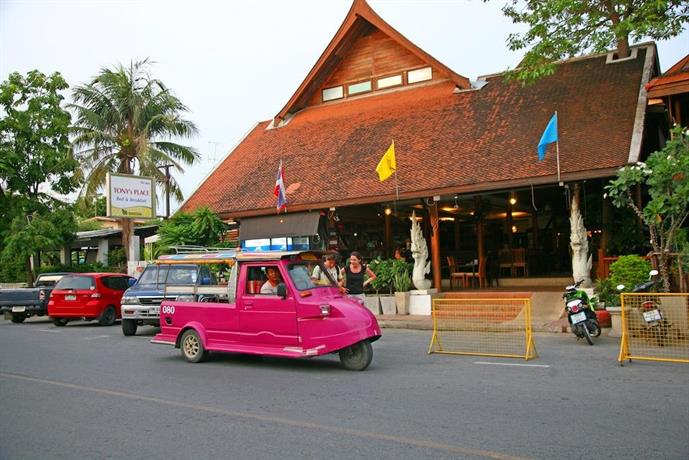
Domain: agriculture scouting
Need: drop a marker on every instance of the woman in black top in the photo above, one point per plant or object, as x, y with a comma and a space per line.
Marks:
353, 277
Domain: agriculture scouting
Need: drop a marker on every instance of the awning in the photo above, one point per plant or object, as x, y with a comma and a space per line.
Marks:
298, 224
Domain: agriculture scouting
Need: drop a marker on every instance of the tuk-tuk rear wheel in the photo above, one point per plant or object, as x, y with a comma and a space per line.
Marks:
357, 357
192, 348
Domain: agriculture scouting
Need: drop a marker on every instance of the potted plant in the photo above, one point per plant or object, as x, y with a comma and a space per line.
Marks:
402, 283
383, 282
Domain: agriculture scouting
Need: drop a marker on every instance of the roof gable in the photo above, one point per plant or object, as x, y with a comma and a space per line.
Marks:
362, 49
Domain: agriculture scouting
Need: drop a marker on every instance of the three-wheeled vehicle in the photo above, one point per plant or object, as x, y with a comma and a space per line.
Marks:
271, 306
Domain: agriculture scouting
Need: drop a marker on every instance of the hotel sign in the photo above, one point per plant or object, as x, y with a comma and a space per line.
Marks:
130, 196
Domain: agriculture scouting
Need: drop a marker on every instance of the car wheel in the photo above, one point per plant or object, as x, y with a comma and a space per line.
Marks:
192, 348
59, 322
129, 327
107, 318
357, 357
18, 317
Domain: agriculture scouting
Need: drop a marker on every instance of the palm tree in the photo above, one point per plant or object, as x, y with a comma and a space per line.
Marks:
125, 123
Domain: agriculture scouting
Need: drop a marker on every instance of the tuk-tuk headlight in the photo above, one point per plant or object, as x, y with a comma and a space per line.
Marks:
325, 310
130, 300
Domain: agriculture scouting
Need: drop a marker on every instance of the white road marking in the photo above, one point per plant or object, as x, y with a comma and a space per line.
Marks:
96, 337
318, 427
510, 364
53, 331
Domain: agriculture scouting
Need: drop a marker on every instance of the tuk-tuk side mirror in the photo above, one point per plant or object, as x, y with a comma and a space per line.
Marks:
282, 291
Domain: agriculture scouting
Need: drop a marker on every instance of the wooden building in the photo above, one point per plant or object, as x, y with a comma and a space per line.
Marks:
466, 151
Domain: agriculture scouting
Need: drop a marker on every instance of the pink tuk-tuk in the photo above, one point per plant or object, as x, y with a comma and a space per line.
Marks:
272, 306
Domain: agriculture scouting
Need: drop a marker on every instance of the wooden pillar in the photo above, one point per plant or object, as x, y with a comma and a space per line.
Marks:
607, 219
508, 215
480, 231
388, 235
458, 246
534, 228
435, 245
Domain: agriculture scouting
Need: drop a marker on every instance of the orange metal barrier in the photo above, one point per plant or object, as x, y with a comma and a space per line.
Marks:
655, 327
483, 327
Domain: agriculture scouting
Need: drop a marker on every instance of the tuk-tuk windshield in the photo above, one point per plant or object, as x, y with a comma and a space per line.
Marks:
302, 273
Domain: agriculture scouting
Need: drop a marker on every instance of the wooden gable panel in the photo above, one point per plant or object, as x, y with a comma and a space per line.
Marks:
371, 56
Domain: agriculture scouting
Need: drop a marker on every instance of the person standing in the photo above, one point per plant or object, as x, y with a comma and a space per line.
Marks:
319, 276
353, 277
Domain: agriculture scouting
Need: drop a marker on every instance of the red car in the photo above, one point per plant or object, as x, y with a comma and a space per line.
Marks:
88, 296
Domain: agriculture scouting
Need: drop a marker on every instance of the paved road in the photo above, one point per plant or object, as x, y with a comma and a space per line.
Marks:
85, 391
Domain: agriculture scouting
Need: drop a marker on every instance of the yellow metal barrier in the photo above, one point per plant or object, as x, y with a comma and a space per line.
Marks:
483, 327
655, 327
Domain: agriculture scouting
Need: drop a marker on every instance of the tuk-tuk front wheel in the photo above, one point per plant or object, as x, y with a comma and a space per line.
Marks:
357, 357
192, 348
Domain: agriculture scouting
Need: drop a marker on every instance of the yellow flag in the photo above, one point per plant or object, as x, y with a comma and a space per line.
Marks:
387, 165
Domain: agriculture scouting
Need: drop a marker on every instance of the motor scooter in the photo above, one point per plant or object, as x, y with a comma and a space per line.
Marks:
580, 314
656, 327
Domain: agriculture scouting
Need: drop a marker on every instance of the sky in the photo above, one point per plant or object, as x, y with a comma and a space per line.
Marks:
235, 63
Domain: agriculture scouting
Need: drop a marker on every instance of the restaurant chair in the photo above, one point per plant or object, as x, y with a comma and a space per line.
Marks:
454, 274
479, 275
519, 261
505, 257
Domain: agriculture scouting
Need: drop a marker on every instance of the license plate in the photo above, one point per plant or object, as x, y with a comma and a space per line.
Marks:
154, 311
653, 315
18, 309
70, 297
578, 317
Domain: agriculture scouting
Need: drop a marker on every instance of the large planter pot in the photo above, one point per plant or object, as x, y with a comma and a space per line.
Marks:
603, 318
388, 305
402, 301
372, 302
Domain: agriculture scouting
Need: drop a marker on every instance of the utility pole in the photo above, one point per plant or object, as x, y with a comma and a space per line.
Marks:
167, 189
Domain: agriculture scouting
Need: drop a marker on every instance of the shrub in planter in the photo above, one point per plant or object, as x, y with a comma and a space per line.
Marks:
629, 270
402, 282
606, 292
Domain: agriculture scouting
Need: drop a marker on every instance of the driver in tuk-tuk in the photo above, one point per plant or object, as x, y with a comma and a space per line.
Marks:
271, 286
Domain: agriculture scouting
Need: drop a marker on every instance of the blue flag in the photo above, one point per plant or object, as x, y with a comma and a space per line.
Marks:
549, 136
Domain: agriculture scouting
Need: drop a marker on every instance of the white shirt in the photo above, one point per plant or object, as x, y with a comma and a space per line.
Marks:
317, 273
268, 288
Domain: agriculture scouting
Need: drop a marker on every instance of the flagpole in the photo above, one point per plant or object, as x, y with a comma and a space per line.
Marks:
557, 153
397, 191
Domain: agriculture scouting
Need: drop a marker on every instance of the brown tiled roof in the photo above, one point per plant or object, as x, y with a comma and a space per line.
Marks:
446, 141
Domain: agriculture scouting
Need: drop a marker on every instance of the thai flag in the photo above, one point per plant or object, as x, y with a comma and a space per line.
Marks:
280, 189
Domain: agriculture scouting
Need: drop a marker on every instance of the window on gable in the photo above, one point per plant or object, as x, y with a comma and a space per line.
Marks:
387, 82
423, 74
356, 88
330, 94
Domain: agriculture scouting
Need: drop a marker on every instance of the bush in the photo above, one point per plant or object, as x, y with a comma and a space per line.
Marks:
401, 275
81, 268
384, 274
606, 291
629, 270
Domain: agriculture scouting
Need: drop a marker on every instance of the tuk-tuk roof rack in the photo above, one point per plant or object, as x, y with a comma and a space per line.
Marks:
192, 249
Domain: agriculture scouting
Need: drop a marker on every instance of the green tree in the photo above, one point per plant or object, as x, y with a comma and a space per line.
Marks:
37, 232
35, 160
564, 28
666, 176
125, 122
202, 227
